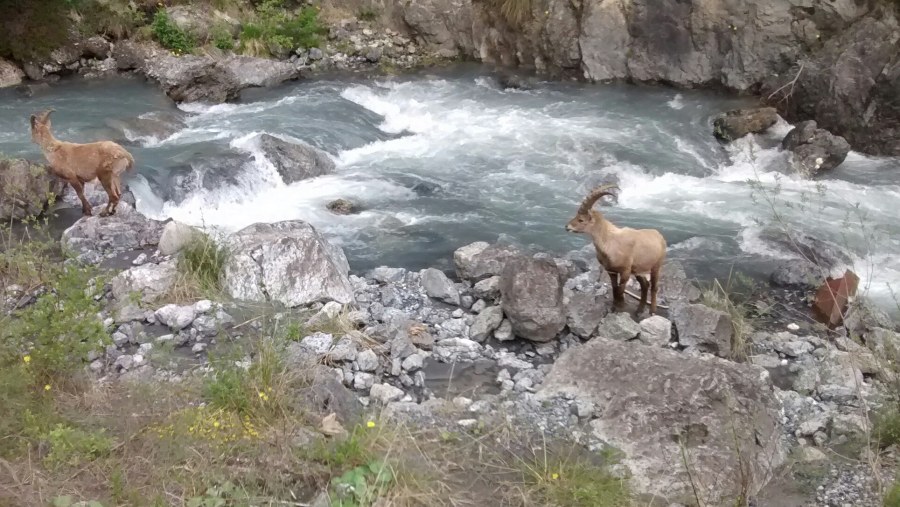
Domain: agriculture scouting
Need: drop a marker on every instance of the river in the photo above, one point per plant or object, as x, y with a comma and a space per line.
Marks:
441, 158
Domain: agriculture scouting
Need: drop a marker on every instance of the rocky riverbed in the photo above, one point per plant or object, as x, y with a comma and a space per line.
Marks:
512, 335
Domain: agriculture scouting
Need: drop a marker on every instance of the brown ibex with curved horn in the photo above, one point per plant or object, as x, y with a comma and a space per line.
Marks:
78, 164
622, 251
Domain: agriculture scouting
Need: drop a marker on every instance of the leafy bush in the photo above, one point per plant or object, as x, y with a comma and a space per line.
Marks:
54, 335
170, 36
278, 30
221, 38
31, 30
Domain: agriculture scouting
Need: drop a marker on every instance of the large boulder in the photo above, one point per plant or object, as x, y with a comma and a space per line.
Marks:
251, 72
95, 237
813, 149
295, 161
587, 302
286, 262
481, 260
152, 127
148, 282
10, 74
192, 78
851, 85
740, 122
25, 189
660, 408
532, 298
131, 55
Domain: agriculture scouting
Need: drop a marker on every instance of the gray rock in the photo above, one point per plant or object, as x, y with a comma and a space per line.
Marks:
344, 350
176, 317
367, 360
295, 161
738, 123
385, 393
453, 349
657, 400
489, 288
318, 343
481, 260
794, 348
25, 188
363, 380
342, 207
703, 327
674, 284
148, 282
439, 287
175, 236
479, 306
656, 331
326, 394
531, 291
413, 362
286, 262
618, 326
90, 238
840, 369
10, 74
486, 323
124, 362
385, 274
504, 333
206, 325
585, 310
96, 47
828, 89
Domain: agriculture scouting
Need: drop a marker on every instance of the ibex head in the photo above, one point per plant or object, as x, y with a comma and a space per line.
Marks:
586, 217
40, 126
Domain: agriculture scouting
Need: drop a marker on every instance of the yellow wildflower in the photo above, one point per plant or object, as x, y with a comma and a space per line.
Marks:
47, 387
554, 476
216, 424
370, 424
27, 359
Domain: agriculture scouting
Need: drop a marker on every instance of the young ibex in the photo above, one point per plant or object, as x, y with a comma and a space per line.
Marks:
622, 251
78, 164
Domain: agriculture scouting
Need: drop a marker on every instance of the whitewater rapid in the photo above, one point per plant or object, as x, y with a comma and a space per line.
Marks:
506, 165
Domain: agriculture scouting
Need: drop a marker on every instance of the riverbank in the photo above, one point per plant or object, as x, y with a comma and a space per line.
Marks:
392, 352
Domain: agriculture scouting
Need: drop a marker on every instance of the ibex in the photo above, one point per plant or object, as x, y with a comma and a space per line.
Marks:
622, 251
78, 164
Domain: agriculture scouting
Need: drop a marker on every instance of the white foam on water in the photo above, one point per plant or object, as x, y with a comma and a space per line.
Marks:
677, 102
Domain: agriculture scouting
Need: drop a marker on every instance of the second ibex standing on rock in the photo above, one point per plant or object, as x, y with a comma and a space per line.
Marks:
78, 164
622, 251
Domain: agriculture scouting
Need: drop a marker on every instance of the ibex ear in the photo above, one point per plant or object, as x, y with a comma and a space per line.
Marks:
33, 121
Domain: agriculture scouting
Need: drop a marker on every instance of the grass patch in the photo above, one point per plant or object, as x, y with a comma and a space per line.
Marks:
117, 19
515, 12
167, 33
892, 496
728, 299
367, 14
201, 264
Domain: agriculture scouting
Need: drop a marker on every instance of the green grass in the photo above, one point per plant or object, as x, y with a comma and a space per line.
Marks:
201, 264
727, 298
892, 497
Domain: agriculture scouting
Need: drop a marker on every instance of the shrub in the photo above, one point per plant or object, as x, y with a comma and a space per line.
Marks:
31, 30
55, 334
170, 36
367, 14
276, 29
221, 38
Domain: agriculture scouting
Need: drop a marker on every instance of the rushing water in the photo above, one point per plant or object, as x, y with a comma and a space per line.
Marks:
507, 165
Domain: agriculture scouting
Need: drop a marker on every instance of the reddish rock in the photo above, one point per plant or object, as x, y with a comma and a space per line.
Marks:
832, 298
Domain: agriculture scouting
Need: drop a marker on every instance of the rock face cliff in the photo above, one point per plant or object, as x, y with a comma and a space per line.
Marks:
848, 49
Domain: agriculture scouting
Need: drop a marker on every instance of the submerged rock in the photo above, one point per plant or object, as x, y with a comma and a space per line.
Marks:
532, 299
740, 122
657, 404
25, 189
287, 262
341, 207
295, 161
814, 149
